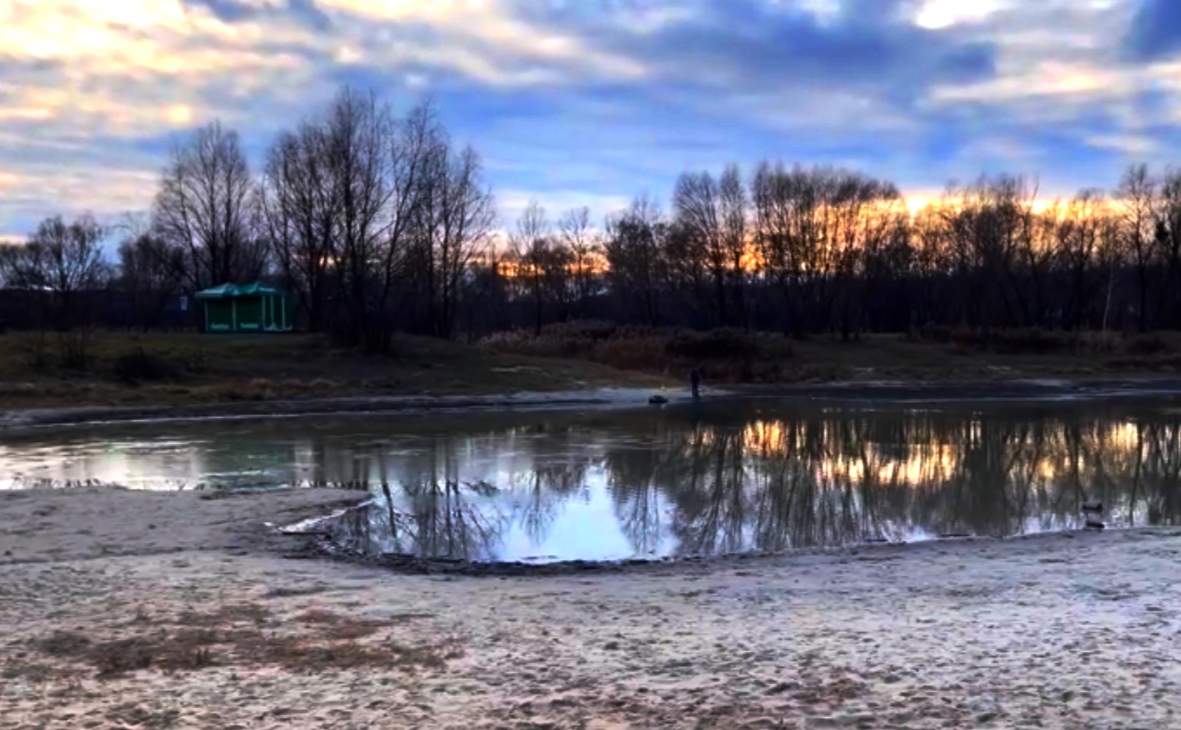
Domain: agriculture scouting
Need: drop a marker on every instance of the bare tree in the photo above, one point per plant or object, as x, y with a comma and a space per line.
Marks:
364, 157
151, 273
989, 222
206, 206
377, 214
697, 214
1136, 196
636, 261
734, 206
531, 248
1167, 240
452, 223
297, 197
585, 251
10, 258
64, 262
1077, 230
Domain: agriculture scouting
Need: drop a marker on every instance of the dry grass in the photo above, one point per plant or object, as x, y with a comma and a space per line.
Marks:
179, 369
722, 354
294, 592
131, 714
234, 635
64, 644
301, 654
1038, 341
336, 627
929, 353
29, 671
255, 613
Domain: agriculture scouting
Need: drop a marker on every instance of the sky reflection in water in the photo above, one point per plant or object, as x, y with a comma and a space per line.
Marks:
707, 479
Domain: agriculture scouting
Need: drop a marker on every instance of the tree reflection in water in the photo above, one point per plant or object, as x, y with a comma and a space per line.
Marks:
682, 485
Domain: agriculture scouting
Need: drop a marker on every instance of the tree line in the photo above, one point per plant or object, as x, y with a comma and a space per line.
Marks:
822, 250
379, 223
373, 221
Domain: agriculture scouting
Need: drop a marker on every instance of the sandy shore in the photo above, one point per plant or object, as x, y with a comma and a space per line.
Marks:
142, 610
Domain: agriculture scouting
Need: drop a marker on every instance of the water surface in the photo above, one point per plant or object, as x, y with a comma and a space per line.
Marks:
694, 479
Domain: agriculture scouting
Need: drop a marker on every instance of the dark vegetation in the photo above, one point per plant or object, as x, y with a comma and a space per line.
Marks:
383, 229
134, 369
725, 354
242, 635
933, 352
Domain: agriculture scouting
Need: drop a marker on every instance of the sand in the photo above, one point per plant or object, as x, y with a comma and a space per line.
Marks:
1078, 631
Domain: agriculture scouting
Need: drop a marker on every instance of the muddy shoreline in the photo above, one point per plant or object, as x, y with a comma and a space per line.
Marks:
847, 392
124, 609
315, 539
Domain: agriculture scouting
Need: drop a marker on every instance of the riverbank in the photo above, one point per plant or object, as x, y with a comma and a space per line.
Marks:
841, 392
132, 609
147, 373
184, 375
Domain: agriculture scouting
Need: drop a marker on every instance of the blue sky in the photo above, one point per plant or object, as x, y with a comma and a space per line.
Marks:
591, 102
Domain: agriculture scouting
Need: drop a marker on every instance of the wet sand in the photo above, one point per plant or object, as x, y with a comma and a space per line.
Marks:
1077, 631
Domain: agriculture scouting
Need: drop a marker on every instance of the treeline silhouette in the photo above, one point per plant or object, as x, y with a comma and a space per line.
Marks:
819, 250
379, 224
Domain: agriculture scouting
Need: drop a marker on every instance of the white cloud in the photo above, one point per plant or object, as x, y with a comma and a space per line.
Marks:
940, 14
1136, 146
88, 89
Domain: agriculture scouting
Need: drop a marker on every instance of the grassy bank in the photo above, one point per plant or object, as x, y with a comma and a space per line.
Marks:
942, 354
123, 369
187, 369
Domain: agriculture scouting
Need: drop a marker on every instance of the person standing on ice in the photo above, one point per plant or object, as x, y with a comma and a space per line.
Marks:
695, 381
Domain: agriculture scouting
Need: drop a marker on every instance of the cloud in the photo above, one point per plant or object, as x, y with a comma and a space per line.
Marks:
1155, 31
238, 11
556, 203
757, 44
594, 99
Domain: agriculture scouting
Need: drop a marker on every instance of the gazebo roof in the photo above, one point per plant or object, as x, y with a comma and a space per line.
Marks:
229, 291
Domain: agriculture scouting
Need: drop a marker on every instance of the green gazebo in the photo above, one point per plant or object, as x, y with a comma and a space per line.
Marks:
246, 308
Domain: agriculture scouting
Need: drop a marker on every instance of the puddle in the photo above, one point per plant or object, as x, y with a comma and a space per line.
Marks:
659, 482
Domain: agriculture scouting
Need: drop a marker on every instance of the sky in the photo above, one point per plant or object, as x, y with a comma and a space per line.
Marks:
591, 102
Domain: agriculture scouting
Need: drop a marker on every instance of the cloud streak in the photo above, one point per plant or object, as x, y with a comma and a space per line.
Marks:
601, 99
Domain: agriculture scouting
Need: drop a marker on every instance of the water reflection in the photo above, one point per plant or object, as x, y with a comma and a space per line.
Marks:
706, 486
706, 480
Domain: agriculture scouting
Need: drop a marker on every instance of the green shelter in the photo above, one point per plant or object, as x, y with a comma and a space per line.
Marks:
246, 308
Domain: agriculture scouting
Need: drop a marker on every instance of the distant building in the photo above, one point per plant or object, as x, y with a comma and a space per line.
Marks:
253, 307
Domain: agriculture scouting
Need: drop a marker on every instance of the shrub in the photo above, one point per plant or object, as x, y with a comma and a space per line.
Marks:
935, 333
1032, 340
1148, 344
140, 365
713, 344
591, 329
255, 389
74, 348
725, 354
1019, 341
632, 354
